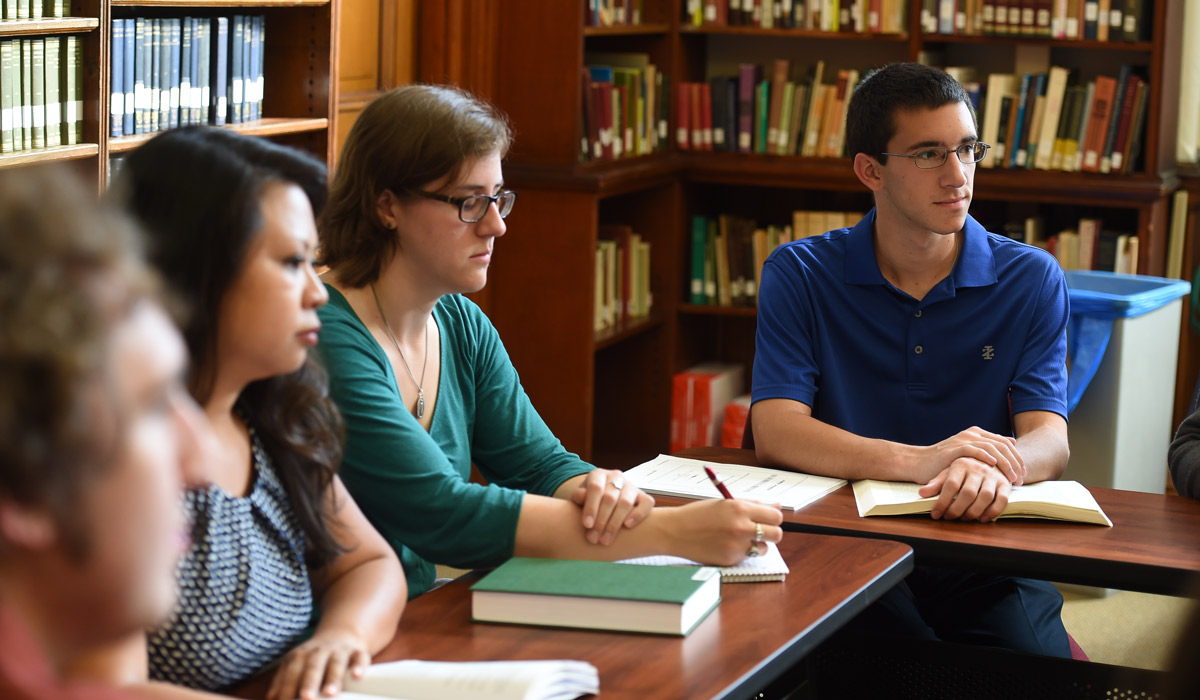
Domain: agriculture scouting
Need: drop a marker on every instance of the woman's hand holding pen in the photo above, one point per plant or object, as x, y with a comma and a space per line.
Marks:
719, 532
609, 502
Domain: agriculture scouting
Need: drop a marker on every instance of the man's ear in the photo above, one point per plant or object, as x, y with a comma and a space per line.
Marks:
869, 171
383, 209
26, 528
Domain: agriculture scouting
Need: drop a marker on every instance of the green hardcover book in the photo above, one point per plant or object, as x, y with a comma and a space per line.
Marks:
10, 9
6, 97
23, 9
39, 93
597, 595
72, 80
58, 8
699, 248
54, 114
36, 9
26, 93
762, 109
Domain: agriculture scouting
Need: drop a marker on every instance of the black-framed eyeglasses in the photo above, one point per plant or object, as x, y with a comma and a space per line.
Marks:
474, 207
935, 156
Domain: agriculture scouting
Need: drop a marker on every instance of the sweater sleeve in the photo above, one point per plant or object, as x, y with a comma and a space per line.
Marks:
512, 445
1183, 457
398, 475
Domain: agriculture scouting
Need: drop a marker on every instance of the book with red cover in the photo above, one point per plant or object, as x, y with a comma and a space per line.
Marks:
1102, 107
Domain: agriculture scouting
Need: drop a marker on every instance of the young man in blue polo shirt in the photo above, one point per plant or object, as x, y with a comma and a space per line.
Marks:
914, 347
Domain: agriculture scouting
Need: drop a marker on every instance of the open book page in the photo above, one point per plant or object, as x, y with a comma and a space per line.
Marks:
769, 566
476, 680
685, 478
1056, 500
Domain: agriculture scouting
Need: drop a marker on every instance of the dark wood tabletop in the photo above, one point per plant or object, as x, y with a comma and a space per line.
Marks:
757, 632
1153, 546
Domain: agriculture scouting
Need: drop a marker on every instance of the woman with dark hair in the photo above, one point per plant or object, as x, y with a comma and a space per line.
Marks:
230, 226
423, 381
97, 435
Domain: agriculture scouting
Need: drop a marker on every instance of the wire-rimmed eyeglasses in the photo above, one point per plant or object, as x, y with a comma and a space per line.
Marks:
474, 207
935, 156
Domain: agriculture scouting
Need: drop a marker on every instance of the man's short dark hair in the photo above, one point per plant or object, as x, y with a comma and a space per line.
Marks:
870, 122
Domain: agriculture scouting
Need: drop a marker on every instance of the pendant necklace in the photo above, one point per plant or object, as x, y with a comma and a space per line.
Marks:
424, 364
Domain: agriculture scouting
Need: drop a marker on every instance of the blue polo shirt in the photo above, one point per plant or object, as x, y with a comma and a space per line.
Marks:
872, 360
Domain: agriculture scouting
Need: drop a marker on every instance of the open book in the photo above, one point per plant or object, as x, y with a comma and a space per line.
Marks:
765, 567
1054, 500
685, 478
475, 680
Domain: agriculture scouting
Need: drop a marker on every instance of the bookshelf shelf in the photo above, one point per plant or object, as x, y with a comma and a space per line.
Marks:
623, 331
52, 25
48, 155
790, 33
627, 30
260, 127
1117, 46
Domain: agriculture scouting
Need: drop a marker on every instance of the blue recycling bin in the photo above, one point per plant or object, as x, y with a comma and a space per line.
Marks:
1122, 344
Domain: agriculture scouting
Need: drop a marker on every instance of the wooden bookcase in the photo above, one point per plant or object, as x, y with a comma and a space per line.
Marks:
300, 70
607, 395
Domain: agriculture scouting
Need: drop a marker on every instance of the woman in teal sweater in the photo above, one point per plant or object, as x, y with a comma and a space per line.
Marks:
425, 385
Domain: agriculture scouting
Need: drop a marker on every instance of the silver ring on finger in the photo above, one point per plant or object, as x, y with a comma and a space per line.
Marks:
753, 551
758, 533
617, 484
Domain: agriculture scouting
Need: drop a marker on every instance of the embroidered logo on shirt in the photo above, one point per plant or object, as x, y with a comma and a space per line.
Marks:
989, 352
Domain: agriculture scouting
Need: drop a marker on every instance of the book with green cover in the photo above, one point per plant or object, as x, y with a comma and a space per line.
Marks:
6, 96
597, 595
26, 93
1052, 500
39, 93
53, 92
72, 80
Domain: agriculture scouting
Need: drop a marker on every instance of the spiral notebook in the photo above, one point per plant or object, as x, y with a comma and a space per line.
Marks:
769, 566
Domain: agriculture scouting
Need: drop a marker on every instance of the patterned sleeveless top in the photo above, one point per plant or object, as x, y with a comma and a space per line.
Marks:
244, 593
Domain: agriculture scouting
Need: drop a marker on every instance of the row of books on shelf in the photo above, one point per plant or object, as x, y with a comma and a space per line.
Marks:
785, 114
727, 252
625, 109
613, 13
622, 280
862, 16
1043, 121
172, 71
1087, 246
41, 92
1098, 20
35, 9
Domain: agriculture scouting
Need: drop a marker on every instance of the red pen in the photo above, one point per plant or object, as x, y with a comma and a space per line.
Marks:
716, 481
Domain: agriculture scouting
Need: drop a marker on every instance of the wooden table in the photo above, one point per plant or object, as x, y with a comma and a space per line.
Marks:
757, 632
1153, 546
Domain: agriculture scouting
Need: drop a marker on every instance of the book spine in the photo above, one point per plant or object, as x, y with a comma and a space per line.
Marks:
174, 26
74, 77
6, 95
260, 76
39, 93
27, 92
53, 92
141, 91
154, 73
127, 80
220, 89
117, 78
204, 103
236, 30
187, 70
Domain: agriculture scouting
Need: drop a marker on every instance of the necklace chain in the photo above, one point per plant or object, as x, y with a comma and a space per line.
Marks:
424, 363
